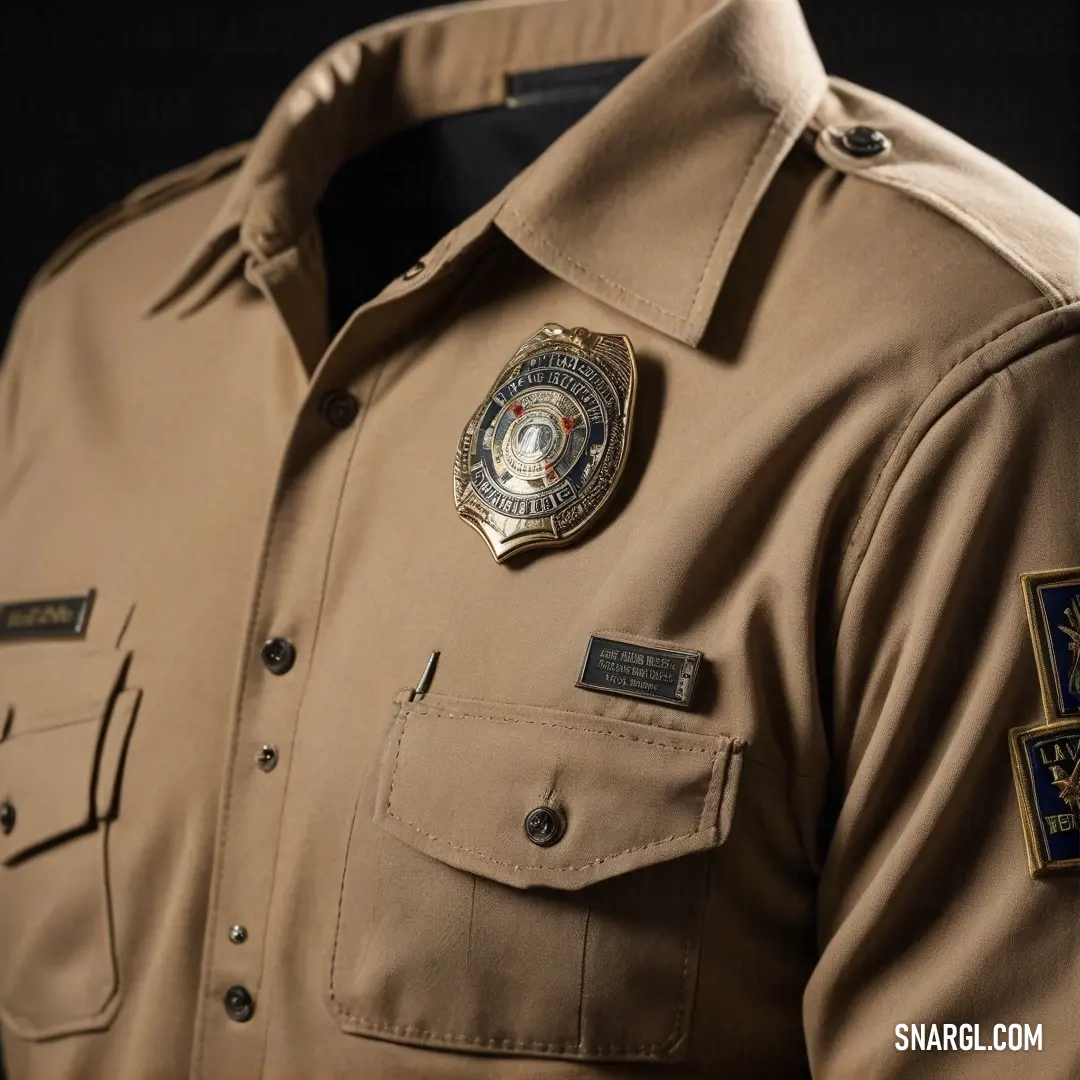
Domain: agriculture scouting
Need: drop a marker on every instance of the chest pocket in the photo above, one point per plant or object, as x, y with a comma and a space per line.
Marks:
529, 881
65, 724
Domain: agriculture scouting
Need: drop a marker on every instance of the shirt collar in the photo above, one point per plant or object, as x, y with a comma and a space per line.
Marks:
642, 203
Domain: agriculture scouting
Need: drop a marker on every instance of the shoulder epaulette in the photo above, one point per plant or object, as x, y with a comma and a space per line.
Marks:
146, 197
1027, 227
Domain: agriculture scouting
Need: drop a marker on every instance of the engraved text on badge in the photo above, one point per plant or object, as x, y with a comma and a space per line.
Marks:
542, 454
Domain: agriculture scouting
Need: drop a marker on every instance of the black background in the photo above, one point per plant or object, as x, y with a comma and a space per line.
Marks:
96, 99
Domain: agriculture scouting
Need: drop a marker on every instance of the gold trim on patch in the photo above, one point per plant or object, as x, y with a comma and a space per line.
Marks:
1033, 584
1036, 831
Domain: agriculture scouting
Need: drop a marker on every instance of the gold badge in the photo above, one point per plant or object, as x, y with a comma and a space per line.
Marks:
1046, 756
543, 453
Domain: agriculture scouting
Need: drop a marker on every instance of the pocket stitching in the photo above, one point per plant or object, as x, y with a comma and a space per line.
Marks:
100, 1018
573, 727
653, 1050
32, 722
80, 714
649, 1049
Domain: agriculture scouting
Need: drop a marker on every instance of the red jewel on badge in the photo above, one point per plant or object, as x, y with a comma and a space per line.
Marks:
517, 408
567, 423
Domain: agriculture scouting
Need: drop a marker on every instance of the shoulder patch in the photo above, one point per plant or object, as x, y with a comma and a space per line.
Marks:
1046, 756
146, 197
1030, 229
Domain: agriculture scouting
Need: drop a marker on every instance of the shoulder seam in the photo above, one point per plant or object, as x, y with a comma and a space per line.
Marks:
1033, 335
920, 147
979, 228
141, 200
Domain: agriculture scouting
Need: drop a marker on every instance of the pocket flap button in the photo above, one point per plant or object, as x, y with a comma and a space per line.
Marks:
544, 825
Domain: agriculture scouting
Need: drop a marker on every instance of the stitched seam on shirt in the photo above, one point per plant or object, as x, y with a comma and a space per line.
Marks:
780, 118
890, 454
421, 711
83, 714
547, 869
510, 706
584, 269
651, 1049
436, 327
249, 637
224, 818
307, 677
517, 866
1002, 248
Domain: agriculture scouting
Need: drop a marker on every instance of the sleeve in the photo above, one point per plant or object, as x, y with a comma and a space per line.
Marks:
14, 358
935, 935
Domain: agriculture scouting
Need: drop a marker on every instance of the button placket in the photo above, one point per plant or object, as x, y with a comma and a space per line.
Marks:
293, 573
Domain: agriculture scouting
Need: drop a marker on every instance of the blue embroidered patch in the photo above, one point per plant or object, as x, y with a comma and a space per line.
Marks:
1046, 756
1052, 598
1046, 767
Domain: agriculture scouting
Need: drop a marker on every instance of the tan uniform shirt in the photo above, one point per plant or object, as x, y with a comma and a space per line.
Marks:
859, 373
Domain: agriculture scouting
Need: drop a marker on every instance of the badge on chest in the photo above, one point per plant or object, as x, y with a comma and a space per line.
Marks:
546, 448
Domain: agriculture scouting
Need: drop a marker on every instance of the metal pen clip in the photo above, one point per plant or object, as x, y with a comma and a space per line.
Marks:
425, 679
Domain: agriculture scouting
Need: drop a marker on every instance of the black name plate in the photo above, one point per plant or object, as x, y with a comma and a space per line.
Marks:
57, 617
666, 676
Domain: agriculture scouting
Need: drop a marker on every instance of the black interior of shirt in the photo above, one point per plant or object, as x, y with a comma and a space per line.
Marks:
386, 207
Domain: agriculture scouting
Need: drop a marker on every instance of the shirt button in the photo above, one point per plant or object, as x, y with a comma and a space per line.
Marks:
238, 934
414, 270
279, 655
239, 1004
338, 408
7, 817
863, 141
544, 825
266, 758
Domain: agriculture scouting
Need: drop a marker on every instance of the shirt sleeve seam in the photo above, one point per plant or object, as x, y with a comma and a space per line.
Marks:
1059, 327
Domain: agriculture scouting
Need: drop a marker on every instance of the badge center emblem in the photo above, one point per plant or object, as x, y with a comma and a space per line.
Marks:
541, 455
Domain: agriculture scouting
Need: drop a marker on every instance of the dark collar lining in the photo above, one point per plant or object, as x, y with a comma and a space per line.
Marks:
385, 208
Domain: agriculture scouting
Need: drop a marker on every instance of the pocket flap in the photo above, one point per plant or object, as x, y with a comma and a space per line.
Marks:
48, 685
459, 777
60, 752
